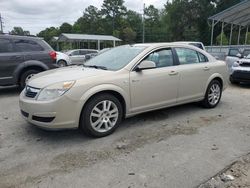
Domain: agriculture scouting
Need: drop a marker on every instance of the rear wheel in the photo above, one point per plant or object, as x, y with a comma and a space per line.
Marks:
62, 63
26, 76
101, 115
213, 94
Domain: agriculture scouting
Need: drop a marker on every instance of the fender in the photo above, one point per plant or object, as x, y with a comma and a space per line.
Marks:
104, 87
213, 76
22, 66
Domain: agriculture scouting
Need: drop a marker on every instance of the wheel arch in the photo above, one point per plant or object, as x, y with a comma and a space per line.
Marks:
28, 65
118, 92
217, 77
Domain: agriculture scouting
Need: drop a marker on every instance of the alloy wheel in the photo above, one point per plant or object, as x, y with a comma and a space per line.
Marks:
104, 116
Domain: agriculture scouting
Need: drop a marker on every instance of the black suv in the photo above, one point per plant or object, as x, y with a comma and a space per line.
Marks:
23, 56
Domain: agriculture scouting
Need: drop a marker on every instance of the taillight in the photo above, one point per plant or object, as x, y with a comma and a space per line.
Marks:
53, 55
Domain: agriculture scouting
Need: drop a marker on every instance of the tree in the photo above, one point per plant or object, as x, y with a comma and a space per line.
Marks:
19, 31
129, 35
48, 33
65, 28
113, 10
224, 39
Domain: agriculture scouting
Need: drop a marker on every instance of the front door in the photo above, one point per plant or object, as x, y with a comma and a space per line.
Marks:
157, 87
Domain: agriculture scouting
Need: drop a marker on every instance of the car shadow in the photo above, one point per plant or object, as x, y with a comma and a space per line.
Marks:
76, 135
241, 85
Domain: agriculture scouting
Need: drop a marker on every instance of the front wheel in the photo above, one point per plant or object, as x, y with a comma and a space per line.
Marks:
213, 94
101, 115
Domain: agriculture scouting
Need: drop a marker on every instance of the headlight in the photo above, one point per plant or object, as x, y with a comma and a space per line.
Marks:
54, 91
236, 64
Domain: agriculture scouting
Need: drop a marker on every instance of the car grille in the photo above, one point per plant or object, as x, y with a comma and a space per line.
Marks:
31, 92
245, 64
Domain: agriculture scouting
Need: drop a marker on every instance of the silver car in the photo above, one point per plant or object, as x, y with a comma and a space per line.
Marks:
240, 71
79, 56
120, 83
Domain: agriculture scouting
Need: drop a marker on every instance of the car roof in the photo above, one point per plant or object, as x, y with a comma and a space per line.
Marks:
19, 37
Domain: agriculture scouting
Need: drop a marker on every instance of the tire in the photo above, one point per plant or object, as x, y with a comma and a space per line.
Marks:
233, 81
26, 76
62, 63
212, 99
102, 123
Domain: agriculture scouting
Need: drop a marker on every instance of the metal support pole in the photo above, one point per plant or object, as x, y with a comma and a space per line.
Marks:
246, 36
1, 23
143, 24
221, 34
239, 35
98, 45
113, 43
231, 32
212, 33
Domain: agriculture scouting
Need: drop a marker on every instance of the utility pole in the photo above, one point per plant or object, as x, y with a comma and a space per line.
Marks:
143, 24
1, 23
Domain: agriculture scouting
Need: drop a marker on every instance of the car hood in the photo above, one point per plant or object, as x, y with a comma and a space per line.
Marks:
46, 78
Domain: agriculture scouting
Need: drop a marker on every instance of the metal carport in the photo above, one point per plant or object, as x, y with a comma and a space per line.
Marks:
237, 16
69, 37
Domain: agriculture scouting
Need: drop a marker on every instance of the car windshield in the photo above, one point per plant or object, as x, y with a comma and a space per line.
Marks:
116, 58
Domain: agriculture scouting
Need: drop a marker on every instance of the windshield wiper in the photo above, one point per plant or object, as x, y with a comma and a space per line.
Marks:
96, 67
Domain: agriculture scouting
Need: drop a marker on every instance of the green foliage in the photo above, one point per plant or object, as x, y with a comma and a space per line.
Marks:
179, 20
65, 28
224, 39
19, 31
129, 35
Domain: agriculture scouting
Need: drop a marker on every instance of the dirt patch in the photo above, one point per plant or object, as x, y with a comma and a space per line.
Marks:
69, 161
236, 175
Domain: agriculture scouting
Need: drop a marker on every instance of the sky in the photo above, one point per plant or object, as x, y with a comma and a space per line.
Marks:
36, 15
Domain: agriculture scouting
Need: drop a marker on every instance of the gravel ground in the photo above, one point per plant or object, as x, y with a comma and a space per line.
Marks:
182, 146
236, 175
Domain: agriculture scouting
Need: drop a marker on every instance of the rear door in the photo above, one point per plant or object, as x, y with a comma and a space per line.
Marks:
75, 57
32, 50
194, 70
9, 60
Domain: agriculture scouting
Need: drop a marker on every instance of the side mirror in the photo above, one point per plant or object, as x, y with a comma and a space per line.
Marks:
145, 65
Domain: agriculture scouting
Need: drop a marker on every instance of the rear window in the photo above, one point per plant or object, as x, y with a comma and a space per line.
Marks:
27, 46
197, 45
5, 46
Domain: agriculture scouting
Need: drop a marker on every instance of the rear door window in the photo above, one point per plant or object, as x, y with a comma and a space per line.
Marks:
187, 56
27, 46
6, 46
202, 57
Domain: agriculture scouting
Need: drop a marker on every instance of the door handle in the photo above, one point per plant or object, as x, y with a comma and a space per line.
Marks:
135, 81
172, 73
206, 68
16, 57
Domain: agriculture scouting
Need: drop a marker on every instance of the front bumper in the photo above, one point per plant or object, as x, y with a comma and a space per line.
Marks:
56, 114
240, 75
